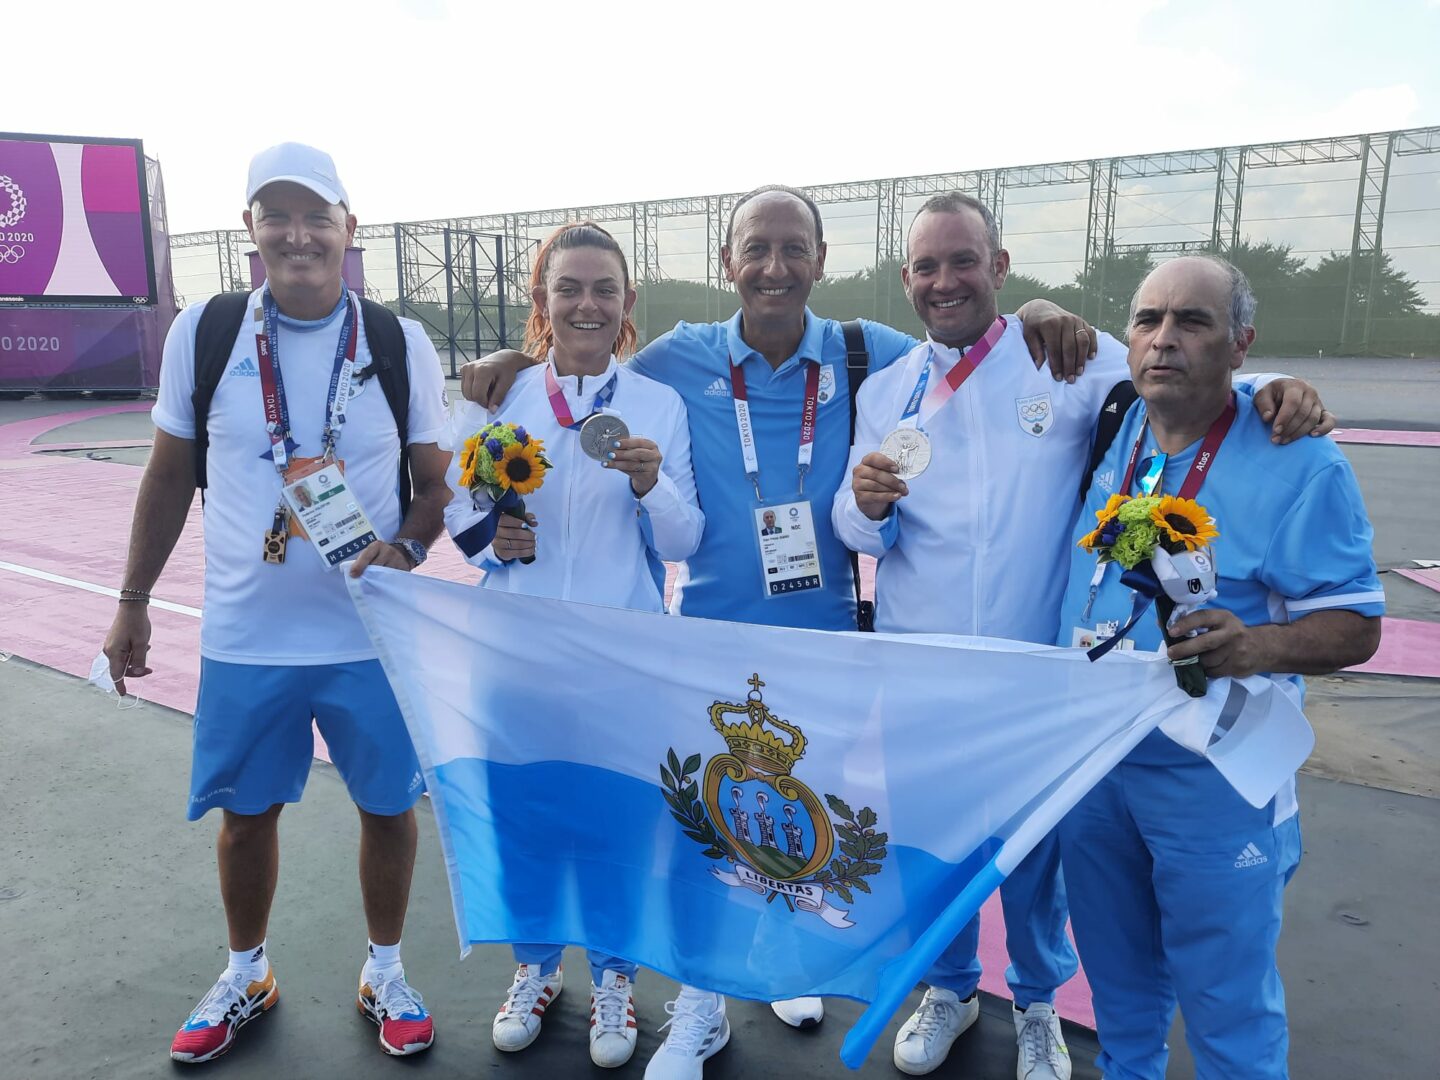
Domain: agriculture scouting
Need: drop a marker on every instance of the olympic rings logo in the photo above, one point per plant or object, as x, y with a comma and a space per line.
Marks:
11, 253
1038, 411
11, 217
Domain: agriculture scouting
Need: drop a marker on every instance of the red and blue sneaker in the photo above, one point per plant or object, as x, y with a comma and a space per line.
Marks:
397, 1009
231, 1004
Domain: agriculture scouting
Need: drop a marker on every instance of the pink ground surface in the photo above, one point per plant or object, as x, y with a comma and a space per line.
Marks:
1376, 437
69, 516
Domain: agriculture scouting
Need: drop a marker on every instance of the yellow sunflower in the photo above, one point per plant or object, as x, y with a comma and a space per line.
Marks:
520, 469
1111, 508
1184, 521
467, 461
1106, 514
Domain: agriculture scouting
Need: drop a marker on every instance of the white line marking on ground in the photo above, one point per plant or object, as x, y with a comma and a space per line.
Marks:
88, 586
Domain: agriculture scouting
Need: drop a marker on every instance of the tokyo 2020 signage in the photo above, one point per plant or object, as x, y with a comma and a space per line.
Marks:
74, 222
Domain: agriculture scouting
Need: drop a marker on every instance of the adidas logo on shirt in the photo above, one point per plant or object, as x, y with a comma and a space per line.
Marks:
1111, 408
718, 388
246, 367
1251, 856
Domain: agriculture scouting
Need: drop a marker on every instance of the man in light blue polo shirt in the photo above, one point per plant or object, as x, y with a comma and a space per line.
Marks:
1175, 882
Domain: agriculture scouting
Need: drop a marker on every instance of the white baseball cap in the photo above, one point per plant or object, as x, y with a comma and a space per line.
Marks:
299, 164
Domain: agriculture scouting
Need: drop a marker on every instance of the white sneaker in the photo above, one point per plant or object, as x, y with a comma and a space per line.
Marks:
1043, 1053
801, 1012
698, 1030
612, 1020
923, 1041
518, 1021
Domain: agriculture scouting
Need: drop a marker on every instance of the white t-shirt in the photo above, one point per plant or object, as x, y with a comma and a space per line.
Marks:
595, 543
296, 612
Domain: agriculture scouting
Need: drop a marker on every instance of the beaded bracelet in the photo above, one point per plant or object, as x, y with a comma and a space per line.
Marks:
139, 596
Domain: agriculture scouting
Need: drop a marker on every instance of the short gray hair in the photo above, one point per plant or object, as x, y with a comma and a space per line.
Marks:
952, 202
1242, 297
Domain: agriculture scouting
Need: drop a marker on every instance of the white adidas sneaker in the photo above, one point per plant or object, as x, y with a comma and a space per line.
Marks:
518, 1022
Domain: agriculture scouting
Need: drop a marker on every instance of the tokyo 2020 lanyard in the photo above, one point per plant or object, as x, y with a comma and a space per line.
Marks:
806, 452
561, 408
272, 383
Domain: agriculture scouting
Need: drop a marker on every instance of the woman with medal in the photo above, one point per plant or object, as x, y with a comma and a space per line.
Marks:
612, 509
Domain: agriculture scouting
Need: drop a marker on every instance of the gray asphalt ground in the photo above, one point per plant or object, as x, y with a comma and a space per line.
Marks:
111, 900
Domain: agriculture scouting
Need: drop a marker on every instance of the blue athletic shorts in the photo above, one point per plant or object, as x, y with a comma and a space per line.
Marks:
253, 743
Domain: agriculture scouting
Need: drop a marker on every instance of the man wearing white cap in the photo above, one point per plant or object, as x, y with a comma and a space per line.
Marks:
282, 398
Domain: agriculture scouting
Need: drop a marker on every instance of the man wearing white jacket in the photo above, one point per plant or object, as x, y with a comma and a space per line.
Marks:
969, 514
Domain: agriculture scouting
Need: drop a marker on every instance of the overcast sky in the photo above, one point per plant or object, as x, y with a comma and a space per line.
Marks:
435, 108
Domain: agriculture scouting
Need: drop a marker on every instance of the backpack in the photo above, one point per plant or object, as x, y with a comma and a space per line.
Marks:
221, 323
857, 366
1107, 426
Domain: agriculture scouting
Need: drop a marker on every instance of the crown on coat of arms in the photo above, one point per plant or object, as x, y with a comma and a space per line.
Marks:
762, 750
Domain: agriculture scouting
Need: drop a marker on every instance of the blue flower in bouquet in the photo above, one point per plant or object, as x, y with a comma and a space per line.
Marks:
521, 436
494, 449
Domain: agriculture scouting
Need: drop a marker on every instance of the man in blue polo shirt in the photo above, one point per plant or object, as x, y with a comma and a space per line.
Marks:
1175, 882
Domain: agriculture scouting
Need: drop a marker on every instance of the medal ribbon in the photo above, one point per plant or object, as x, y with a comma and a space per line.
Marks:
954, 378
806, 452
561, 408
272, 382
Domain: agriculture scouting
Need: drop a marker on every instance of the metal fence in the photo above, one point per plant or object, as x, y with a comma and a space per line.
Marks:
1341, 236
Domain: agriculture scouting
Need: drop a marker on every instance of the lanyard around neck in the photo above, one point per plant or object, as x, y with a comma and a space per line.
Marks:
1199, 468
272, 382
805, 453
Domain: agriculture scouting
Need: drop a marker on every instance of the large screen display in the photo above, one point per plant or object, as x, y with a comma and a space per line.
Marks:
74, 222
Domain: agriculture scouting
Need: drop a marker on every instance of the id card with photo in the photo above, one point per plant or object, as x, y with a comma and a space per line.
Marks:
1084, 637
789, 551
330, 514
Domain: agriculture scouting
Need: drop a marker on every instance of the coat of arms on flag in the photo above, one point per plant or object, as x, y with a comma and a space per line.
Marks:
748, 810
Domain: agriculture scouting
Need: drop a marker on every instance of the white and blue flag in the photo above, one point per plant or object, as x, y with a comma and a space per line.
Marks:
758, 811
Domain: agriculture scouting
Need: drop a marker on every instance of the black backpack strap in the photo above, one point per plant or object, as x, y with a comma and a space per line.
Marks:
857, 366
386, 339
1107, 426
220, 324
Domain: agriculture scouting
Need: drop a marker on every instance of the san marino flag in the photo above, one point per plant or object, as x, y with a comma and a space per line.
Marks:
763, 812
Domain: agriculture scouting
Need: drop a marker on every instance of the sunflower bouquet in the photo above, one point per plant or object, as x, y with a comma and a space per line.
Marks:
504, 462
1162, 543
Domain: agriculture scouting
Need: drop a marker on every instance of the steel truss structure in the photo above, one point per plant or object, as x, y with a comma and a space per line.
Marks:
482, 263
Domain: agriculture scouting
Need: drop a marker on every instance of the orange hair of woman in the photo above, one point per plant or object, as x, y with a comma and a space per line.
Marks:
539, 336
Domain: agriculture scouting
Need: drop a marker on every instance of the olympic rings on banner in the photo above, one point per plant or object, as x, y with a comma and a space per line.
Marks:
11, 253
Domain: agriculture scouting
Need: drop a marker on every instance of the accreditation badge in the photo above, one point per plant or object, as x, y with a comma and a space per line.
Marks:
789, 550
1084, 637
322, 504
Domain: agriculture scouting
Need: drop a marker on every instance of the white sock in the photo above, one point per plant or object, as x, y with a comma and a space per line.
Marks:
253, 963
383, 961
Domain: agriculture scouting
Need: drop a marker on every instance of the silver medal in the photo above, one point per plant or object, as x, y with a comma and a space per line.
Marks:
599, 432
909, 448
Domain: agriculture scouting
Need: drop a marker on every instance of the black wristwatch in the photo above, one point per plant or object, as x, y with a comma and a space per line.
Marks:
413, 549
